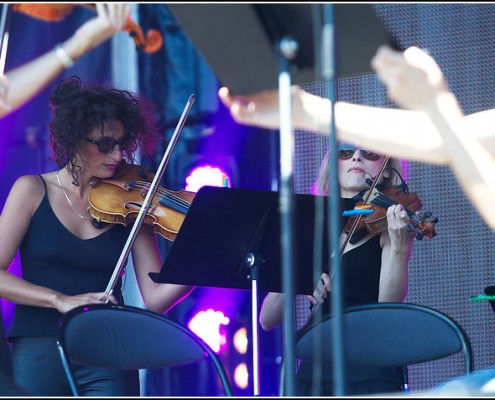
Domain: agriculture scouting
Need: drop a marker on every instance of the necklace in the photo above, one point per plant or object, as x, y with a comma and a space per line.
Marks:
68, 200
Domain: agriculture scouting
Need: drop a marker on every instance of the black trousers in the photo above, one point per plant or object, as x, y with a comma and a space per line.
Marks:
359, 381
38, 369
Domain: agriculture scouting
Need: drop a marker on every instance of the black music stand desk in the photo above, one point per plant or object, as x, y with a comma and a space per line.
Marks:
224, 226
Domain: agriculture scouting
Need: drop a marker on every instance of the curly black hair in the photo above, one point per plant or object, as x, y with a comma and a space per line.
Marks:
78, 109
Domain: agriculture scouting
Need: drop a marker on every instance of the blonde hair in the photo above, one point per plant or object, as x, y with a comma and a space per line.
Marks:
394, 165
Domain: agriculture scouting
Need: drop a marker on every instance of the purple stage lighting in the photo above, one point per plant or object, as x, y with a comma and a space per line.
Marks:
208, 326
207, 175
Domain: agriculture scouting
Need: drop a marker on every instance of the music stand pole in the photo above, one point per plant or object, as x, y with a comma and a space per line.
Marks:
252, 263
328, 73
288, 49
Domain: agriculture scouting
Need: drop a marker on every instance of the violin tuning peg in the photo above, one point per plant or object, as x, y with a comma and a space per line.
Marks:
427, 214
435, 220
419, 236
410, 228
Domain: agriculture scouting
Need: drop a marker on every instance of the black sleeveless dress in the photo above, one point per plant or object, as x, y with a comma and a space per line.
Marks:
360, 279
52, 256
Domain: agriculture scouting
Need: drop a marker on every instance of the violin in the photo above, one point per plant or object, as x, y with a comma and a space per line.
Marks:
380, 200
119, 199
149, 43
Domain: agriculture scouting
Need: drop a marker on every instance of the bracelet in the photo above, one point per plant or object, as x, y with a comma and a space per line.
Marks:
63, 56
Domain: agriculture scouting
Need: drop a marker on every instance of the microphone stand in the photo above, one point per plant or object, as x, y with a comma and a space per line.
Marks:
328, 73
288, 49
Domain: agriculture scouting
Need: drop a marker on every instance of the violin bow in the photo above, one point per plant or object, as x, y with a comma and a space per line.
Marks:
148, 199
4, 25
365, 201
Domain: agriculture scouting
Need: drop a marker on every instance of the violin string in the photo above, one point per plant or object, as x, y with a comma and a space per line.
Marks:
385, 201
174, 199
164, 193
167, 200
177, 201
68, 199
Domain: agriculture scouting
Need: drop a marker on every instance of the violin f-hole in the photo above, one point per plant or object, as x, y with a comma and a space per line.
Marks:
131, 204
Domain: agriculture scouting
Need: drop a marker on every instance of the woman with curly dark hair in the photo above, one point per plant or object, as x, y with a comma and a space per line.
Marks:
66, 260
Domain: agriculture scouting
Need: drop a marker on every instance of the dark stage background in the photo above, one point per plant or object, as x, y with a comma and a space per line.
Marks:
444, 271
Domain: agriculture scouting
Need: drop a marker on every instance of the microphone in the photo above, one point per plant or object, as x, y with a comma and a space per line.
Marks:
490, 291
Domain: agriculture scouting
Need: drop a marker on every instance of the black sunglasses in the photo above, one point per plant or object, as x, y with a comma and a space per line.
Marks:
106, 144
346, 152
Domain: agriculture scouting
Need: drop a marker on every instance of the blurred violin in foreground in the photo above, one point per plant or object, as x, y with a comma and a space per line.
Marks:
149, 43
119, 199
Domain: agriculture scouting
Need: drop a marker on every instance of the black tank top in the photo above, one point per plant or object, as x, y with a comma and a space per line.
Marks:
360, 271
361, 279
53, 257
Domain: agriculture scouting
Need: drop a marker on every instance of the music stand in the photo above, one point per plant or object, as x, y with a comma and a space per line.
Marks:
223, 226
230, 239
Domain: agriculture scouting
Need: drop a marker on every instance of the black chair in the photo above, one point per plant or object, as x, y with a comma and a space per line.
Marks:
126, 337
387, 335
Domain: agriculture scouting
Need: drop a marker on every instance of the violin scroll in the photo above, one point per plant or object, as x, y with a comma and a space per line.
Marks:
424, 223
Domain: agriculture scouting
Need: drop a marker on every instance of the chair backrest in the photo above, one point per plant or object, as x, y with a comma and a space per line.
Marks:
394, 334
126, 337
386, 335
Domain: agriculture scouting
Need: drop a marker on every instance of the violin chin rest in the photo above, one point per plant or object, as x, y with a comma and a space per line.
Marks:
99, 224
